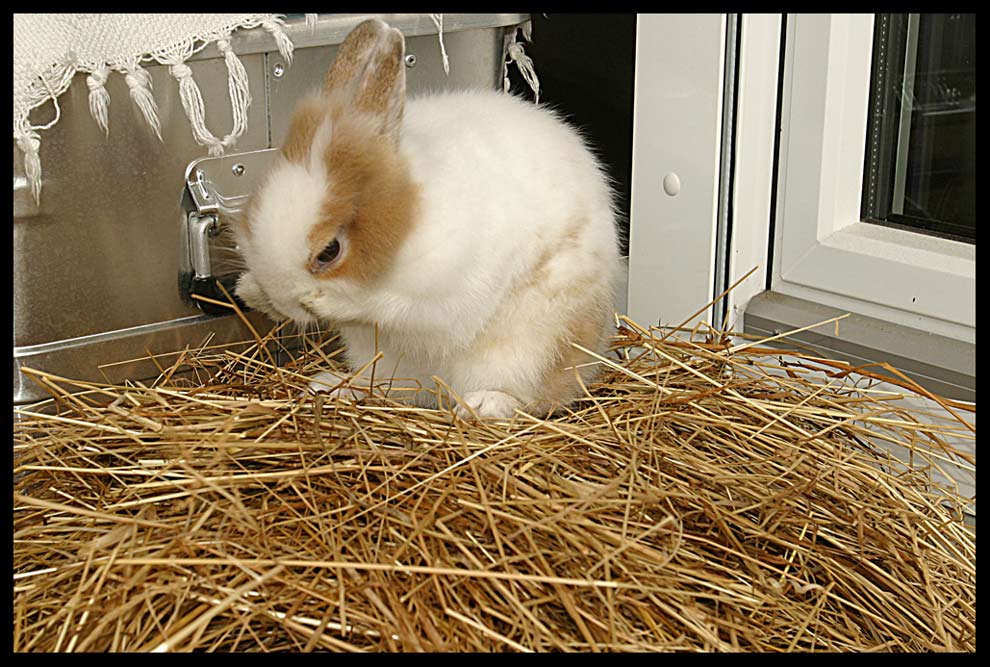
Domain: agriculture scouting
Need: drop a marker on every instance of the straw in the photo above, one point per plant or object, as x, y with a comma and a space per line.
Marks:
704, 495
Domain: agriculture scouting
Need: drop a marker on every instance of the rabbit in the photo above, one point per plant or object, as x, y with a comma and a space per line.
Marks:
467, 235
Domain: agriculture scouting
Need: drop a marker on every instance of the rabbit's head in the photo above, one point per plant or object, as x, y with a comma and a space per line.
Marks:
326, 222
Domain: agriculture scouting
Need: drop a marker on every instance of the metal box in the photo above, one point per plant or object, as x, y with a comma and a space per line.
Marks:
102, 268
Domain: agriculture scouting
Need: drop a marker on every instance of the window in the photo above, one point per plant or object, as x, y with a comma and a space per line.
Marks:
873, 194
823, 250
921, 145
849, 182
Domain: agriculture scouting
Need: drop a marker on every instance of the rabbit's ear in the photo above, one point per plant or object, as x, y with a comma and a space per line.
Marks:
383, 90
353, 56
370, 72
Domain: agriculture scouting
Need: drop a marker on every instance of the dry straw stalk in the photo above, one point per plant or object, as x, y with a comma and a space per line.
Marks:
704, 496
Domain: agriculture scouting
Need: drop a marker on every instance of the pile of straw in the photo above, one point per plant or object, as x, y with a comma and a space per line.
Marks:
704, 496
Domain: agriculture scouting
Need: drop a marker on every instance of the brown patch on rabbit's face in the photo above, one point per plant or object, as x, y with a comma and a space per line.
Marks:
372, 203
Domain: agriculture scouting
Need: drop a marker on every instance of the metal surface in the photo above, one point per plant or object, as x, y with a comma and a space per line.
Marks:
98, 265
115, 356
222, 184
200, 228
101, 254
216, 188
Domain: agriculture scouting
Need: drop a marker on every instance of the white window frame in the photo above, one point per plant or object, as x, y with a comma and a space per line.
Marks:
823, 252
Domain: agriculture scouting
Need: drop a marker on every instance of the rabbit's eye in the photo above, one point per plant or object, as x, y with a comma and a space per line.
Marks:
327, 256
330, 252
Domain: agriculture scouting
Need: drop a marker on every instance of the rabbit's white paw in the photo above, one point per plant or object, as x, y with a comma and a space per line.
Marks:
487, 405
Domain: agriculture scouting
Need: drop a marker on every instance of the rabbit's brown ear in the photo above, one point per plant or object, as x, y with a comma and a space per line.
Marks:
353, 56
383, 90
370, 72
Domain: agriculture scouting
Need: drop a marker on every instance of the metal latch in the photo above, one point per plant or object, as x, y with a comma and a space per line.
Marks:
215, 190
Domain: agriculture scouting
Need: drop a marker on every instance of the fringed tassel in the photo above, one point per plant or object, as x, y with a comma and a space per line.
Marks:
26, 135
240, 93
514, 52
139, 82
192, 102
276, 28
99, 98
30, 144
311, 20
438, 22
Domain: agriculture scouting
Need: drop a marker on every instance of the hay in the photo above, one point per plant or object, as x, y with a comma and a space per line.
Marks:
704, 496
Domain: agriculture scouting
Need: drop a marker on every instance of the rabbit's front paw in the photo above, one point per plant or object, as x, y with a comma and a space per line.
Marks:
487, 405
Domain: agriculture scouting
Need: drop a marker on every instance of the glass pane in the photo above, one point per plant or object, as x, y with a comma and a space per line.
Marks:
921, 142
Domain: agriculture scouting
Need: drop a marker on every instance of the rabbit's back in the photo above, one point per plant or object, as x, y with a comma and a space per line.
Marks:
503, 183
495, 144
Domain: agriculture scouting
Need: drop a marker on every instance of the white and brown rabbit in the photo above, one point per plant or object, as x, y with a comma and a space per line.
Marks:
465, 235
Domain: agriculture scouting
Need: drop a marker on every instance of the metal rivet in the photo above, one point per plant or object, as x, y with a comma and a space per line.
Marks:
411, 60
278, 70
237, 169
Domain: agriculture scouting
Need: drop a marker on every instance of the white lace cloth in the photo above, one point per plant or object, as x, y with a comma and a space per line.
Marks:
50, 49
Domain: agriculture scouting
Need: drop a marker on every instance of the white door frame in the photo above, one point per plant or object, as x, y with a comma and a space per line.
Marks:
677, 124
